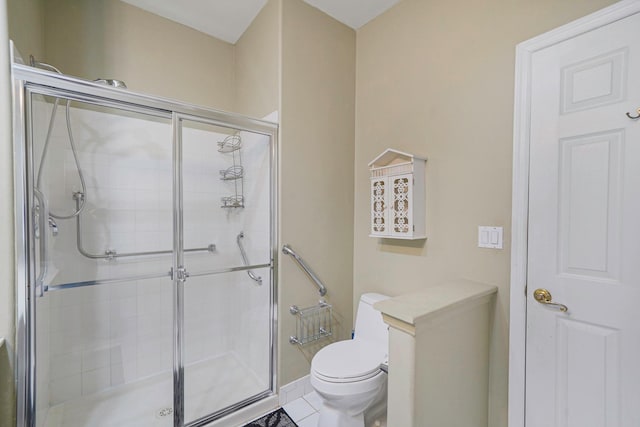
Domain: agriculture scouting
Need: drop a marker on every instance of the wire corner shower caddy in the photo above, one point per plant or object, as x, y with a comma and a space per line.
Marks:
232, 145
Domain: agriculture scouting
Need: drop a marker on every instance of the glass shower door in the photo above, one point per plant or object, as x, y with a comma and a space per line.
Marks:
101, 201
227, 318
145, 249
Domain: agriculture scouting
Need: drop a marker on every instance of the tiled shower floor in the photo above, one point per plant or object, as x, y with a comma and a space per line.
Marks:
209, 386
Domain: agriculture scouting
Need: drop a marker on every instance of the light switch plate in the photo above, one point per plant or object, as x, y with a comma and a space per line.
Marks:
489, 237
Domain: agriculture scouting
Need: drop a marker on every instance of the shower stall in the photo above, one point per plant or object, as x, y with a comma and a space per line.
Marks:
145, 234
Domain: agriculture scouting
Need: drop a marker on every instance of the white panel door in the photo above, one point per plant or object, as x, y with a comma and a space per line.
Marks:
583, 365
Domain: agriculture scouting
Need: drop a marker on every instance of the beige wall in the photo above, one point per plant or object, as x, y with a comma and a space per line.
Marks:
26, 26
7, 316
111, 39
436, 78
287, 61
257, 63
316, 169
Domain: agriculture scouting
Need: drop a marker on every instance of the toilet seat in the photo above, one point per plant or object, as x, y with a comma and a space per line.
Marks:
347, 362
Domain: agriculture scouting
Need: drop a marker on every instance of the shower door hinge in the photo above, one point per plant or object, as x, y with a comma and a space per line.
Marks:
180, 274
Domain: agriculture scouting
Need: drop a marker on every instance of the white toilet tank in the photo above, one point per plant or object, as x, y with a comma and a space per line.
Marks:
369, 324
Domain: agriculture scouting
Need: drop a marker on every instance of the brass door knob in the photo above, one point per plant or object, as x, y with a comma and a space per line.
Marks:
543, 296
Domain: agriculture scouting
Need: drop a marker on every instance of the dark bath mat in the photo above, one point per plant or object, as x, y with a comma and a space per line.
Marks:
278, 418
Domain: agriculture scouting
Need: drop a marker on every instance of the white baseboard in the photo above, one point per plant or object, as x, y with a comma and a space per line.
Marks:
295, 390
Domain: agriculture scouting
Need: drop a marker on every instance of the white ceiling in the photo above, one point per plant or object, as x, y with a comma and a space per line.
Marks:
228, 19
353, 13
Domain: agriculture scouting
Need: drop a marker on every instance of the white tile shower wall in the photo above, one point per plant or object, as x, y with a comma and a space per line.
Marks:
252, 338
42, 342
45, 374
108, 335
251, 343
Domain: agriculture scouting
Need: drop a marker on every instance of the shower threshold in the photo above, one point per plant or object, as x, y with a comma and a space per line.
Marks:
210, 386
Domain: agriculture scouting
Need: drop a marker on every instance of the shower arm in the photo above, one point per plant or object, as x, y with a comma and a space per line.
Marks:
322, 289
250, 273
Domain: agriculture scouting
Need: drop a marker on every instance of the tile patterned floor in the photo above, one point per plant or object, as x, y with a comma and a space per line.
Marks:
304, 411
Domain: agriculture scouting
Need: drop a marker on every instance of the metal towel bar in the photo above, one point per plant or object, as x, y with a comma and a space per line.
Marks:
322, 289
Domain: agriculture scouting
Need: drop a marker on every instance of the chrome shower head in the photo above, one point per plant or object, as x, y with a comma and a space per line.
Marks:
109, 82
112, 82
42, 65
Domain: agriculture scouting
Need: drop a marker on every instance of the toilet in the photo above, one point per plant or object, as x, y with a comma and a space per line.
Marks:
347, 374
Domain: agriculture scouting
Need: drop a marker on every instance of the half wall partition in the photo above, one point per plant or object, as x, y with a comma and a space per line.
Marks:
146, 244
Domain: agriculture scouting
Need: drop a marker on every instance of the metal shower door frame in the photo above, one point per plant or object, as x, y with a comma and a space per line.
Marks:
28, 80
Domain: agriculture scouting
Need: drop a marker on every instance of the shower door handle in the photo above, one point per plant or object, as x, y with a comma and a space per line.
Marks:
180, 274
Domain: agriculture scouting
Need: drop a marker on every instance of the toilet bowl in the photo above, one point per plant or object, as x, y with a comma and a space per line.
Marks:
347, 374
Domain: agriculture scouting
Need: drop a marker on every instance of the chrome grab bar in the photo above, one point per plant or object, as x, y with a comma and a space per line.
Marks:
251, 274
41, 233
111, 254
322, 289
168, 274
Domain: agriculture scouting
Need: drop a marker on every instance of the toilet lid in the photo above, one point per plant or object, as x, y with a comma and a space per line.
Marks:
347, 361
